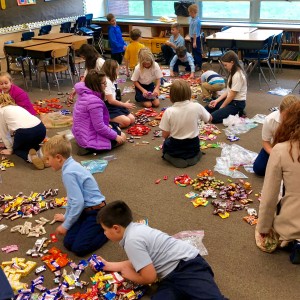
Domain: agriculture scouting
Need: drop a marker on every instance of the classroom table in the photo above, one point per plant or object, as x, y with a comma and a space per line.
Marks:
52, 36
71, 39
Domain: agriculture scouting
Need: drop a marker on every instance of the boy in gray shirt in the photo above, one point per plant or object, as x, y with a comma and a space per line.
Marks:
152, 254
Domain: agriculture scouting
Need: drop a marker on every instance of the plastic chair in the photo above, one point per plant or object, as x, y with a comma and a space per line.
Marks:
65, 27
81, 28
98, 34
276, 53
57, 66
296, 86
26, 36
45, 29
77, 60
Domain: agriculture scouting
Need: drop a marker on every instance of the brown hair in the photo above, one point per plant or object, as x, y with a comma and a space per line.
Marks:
110, 67
109, 17
58, 144
287, 101
93, 80
145, 55
6, 99
231, 56
289, 128
193, 8
180, 91
90, 55
206, 66
181, 51
135, 34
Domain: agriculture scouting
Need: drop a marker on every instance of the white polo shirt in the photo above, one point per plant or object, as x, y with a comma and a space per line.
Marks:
181, 119
146, 76
110, 88
239, 85
270, 126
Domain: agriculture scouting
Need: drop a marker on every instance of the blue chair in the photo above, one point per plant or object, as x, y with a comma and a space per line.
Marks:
98, 35
45, 29
81, 27
26, 36
65, 27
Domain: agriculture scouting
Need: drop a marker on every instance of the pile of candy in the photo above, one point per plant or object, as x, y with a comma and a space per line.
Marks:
206, 181
47, 105
138, 130
183, 180
148, 112
31, 231
5, 164
208, 132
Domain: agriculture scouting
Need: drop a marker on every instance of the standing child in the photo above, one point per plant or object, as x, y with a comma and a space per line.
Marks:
132, 50
183, 58
194, 33
143, 77
233, 101
179, 124
117, 44
91, 127
118, 111
211, 82
20, 97
176, 40
28, 131
82, 233
271, 123
181, 271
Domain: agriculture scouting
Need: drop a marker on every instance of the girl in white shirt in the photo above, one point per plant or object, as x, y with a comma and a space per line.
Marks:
118, 110
145, 74
28, 131
233, 101
179, 126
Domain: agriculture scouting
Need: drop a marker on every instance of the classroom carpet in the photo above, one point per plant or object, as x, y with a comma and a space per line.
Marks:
241, 270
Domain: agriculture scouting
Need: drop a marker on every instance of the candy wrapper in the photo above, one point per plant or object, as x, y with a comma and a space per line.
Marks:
95, 165
194, 238
95, 263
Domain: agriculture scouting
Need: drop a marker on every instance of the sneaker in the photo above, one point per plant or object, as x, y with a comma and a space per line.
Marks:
35, 160
295, 254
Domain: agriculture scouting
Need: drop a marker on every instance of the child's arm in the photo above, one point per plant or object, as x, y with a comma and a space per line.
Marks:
5, 134
115, 102
267, 146
146, 275
192, 65
137, 85
213, 103
230, 96
22, 99
157, 86
165, 134
172, 64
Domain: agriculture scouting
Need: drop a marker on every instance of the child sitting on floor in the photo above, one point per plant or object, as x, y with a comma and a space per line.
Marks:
132, 50
82, 233
181, 271
143, 77
19, 96
28, 131
183, 58
211, 83
118, 110
179, 124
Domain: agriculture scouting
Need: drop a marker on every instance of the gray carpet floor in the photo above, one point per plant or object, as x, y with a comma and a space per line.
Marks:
241, 270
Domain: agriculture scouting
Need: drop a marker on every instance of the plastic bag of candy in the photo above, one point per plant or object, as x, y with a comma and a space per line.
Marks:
95, 166
193, 237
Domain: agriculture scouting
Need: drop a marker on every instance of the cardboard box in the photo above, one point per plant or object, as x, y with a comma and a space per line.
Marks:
147, 31
183, 20
156, 44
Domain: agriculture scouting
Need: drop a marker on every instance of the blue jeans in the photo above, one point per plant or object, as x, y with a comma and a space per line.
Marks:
197, 53
86, 235
192, 279
260, 163
219, 114
6, 291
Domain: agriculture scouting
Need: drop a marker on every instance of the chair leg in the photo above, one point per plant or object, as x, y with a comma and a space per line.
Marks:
56, 79
70, 74
264, 76
296, 86
270, 68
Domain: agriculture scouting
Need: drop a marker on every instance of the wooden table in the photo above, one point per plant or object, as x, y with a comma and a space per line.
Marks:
19, 47
71, 39
52, 36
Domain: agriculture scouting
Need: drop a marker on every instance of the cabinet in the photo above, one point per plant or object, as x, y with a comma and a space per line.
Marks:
291, 48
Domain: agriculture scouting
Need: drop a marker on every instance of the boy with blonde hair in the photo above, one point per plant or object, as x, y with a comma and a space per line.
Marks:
82, 233
132, 50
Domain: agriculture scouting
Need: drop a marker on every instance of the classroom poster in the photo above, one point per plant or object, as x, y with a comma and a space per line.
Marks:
26, 2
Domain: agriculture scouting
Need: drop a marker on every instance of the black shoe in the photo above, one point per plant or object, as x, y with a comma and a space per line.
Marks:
295, 255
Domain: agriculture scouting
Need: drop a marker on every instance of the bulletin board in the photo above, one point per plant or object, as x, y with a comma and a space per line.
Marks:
15, 14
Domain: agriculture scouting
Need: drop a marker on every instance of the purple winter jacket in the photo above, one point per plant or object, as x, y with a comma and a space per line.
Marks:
91, 120
21, 98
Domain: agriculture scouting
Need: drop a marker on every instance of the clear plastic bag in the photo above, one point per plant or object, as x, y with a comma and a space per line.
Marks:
237, 125
233, 156
95, 166
280, 91
259, 118
193, 237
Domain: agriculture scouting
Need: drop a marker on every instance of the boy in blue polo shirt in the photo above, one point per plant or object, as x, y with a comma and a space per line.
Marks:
152, 254
183, 58
117, 44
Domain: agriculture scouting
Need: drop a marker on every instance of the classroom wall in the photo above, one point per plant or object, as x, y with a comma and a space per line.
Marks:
95, 7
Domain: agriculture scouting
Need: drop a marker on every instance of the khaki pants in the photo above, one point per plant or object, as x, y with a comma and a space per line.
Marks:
209, 90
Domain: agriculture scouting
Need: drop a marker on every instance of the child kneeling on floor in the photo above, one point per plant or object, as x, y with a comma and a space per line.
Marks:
82, 233
179, 124
152, 255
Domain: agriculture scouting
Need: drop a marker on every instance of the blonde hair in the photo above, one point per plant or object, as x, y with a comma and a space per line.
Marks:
287, 101
193, 8
58, 144
180, 91
145, 55
6, 99
5, 74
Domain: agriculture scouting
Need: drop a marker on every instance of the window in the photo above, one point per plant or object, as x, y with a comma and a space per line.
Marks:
126, 7
163, 8
226, 9
280, 10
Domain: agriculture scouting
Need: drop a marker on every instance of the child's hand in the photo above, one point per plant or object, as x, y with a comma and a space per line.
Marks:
194, 45
172, 73
145, 93
119, 140
59, 217
6, 152
156, 92
129, 105
124, 48
61, 230
192, 75
105, 262
213, 103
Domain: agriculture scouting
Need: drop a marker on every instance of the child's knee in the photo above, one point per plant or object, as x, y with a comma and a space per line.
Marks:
147, 104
